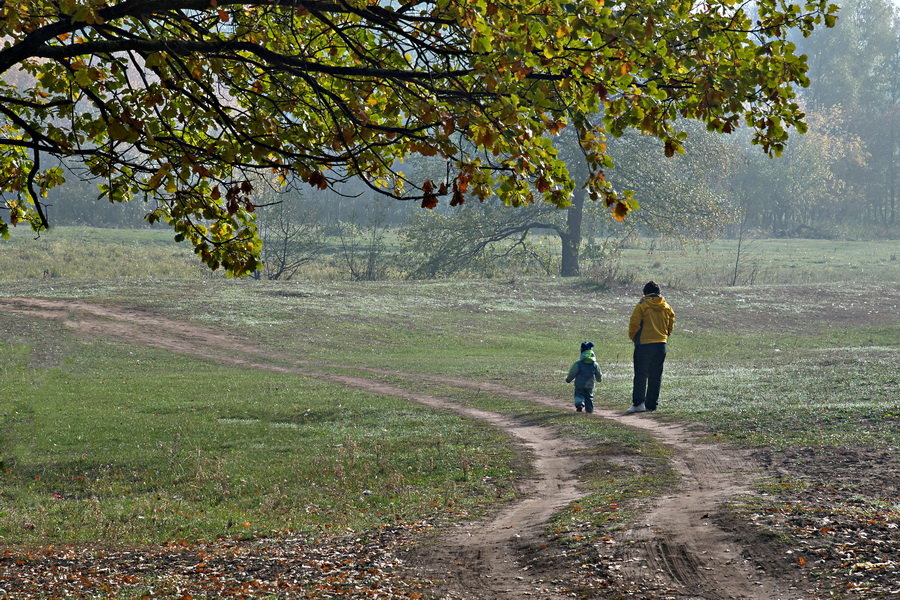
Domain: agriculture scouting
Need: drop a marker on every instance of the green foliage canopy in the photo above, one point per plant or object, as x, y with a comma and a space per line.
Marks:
182, 100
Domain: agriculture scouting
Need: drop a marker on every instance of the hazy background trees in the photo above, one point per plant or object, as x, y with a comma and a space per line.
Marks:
292, 232
853, 104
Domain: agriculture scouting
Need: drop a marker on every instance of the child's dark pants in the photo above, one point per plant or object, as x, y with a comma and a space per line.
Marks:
584, 396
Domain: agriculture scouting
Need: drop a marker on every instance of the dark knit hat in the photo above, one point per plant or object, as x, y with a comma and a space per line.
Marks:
651, 288
586, 346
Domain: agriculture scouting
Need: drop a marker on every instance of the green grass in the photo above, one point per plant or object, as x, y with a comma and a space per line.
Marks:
140, 445
129, 445
786, 353
103, 254
95, 254
763, 262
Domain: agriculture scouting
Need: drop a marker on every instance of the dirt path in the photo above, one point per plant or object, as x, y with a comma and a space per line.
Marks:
675, 548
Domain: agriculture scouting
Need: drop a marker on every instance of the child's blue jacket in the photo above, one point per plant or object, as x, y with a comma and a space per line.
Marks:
585, 371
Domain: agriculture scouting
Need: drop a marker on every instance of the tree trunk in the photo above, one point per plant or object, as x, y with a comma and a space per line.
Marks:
571, 239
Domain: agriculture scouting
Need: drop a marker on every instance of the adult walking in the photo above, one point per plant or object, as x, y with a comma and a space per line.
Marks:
651, 325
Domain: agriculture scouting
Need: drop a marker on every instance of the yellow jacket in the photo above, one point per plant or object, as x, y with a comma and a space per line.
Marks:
652, 320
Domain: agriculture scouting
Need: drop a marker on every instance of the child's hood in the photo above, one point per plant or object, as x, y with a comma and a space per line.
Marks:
588, 356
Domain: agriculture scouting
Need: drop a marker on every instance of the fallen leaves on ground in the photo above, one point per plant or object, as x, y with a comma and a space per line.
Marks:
349, 566
840, 514
850, 543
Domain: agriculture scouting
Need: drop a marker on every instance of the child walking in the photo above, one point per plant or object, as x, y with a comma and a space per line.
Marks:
585, 371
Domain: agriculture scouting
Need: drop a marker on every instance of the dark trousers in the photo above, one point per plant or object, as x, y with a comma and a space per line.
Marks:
648, 370
584, 396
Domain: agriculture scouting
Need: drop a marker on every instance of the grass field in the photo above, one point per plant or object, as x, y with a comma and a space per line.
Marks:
95, 254
765, 262
107, 442
103, 254
114, 443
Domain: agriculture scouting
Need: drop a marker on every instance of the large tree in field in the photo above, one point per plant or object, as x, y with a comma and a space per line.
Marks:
682, 198
182, 100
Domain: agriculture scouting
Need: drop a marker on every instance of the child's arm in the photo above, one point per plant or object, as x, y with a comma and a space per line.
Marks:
573, 370
597, 374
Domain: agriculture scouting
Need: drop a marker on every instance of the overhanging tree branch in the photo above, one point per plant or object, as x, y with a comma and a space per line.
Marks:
226, 49
183, 100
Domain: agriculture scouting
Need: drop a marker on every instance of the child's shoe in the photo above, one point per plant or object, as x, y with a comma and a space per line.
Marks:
578, 407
